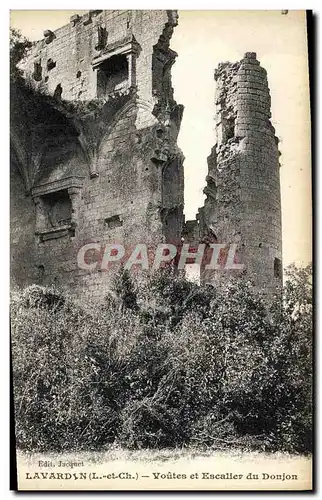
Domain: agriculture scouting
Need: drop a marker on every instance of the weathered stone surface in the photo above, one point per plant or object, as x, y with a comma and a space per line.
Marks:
75, 19
243, 204
95, 159
95, 155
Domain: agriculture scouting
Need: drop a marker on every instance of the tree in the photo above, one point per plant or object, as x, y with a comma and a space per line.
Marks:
124, 288
18, 47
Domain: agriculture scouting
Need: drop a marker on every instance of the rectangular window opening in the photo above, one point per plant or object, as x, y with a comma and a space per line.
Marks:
112, 75
58, 209
229, 128
278, 270
37, 74
113, 222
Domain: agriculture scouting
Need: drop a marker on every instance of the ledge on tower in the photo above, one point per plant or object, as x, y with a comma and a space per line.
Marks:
250, 55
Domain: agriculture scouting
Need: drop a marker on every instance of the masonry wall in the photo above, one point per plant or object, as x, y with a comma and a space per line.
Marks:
243, 204
22, 232
113, 158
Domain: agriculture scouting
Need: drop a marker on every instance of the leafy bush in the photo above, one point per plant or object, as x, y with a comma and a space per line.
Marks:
163, 363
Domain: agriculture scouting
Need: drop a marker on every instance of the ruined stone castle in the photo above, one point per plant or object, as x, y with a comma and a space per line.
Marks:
94, 153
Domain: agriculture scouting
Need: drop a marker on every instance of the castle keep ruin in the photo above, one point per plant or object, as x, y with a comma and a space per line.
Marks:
98, 161
94, 155
243, 201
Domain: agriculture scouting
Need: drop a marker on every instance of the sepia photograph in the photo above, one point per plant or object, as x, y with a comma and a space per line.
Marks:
161, 250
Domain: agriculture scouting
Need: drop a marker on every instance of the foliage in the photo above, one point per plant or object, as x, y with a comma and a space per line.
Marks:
18, 47
164, 362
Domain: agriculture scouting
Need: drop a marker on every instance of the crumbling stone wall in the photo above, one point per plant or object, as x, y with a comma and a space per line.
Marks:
94, 150
106, 156
243, 204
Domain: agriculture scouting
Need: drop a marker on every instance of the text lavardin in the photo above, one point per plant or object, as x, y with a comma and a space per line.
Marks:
227, 476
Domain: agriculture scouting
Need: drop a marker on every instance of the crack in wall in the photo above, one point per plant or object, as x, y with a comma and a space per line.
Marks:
243, 184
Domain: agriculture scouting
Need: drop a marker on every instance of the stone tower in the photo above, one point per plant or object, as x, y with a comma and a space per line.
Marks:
243, 203
94, 156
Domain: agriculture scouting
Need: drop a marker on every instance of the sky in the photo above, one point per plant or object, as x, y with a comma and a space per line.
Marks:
202, 39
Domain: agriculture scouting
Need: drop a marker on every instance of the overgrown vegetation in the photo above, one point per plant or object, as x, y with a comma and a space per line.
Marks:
164, 363
18, 47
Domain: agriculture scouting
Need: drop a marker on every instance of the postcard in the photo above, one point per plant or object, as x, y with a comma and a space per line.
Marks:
161, 275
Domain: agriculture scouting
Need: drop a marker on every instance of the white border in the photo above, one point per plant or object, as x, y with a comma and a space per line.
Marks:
4, 198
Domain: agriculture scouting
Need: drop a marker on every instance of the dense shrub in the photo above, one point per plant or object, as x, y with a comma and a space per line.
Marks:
164, 362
